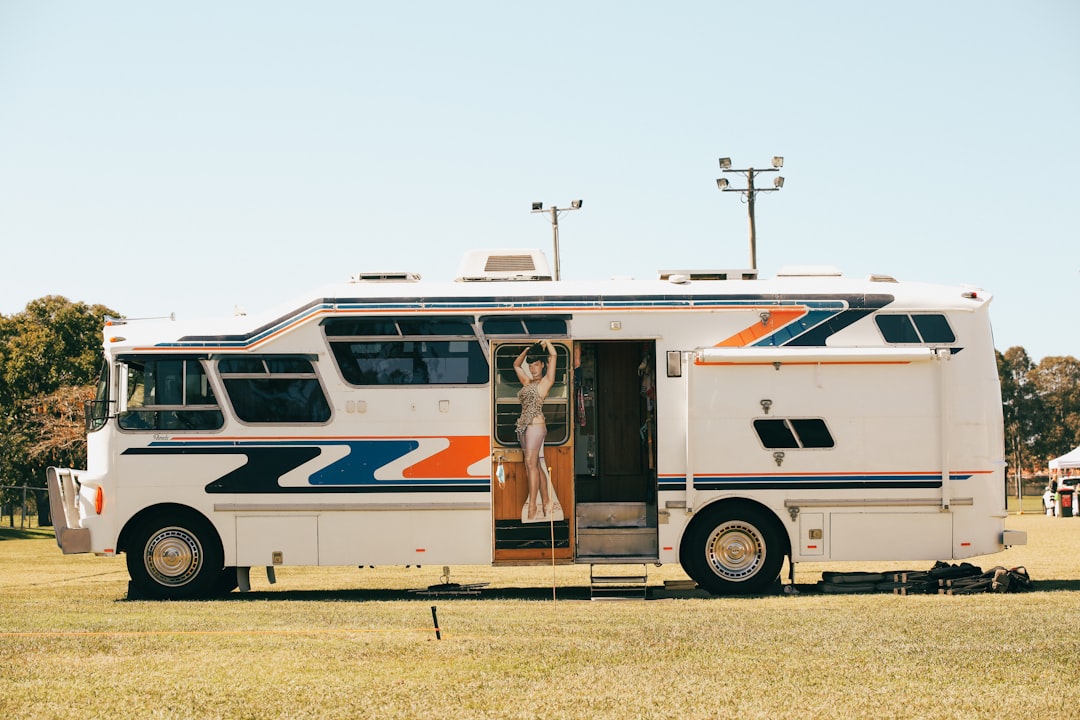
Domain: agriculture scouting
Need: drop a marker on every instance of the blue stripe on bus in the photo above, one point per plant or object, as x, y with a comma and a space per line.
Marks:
268, 461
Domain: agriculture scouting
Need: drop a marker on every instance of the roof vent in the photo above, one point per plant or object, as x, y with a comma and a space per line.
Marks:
878, 277
491, 265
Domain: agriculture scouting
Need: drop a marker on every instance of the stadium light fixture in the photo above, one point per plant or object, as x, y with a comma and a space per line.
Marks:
750, 193
555, 212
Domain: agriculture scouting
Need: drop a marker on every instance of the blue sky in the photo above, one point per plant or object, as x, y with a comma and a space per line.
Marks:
194, 157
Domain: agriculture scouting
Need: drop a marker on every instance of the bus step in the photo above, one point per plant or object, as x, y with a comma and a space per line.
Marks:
615, 542
618, 587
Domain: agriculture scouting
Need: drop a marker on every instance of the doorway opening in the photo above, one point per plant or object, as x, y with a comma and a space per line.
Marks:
615, 451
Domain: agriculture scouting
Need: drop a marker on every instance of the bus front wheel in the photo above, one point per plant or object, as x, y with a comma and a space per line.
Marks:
175, 557
733, 549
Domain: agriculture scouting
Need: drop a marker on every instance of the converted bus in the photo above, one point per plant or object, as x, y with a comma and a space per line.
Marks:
706, 418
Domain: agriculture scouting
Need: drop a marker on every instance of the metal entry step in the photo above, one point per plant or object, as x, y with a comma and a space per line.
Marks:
613, 532
612, 515
630, 543
625, 586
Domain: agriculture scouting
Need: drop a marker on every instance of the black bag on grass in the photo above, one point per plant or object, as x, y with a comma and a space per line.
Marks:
851, 577
908, 576
1019, 579
942, 570
847, 587
899, 587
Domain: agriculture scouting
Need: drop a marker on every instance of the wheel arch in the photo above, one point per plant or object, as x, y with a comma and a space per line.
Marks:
724, 510
171, 510
735, 503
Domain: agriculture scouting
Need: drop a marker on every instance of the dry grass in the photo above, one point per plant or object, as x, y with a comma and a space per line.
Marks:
356, 643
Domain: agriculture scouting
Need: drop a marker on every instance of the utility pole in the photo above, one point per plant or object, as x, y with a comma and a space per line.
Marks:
750, 192
538, 207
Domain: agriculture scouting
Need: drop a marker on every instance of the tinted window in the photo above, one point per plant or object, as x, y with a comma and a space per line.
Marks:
934, 328
436, 326
274, 389
168, 394
411, 362
812, 433
915, 329
241, 365
775, 434
791, 433
407, 351
504, 326
525, 325
367, 327
398, 327
897, 329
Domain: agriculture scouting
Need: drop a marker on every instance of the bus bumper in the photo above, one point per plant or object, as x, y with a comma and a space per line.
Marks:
65, 515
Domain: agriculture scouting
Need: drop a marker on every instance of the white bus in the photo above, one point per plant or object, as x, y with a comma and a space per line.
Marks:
706, 418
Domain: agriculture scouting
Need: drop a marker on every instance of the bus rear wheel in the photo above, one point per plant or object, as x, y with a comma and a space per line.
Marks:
734, 549
173, 557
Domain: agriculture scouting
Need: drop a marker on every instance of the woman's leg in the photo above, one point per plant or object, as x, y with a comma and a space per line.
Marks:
534, 440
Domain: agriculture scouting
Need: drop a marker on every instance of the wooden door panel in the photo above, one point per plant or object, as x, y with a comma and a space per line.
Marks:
510, 497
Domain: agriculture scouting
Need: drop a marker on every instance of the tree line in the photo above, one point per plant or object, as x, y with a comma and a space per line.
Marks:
50, 357
1041, 403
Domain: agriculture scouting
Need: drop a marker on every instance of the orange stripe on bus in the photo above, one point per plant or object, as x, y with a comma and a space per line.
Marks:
454, 461
778, 317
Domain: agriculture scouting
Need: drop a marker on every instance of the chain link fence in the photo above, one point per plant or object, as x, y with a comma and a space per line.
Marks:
24, 507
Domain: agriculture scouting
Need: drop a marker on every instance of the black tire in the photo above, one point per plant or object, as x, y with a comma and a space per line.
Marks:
734, 549
227, 582
175, 556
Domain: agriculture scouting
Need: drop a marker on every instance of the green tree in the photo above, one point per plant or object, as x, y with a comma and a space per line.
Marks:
1022, 409
52, 343
1057, 380
50, 354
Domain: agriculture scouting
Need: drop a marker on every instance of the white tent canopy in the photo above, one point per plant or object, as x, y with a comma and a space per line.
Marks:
1070, 459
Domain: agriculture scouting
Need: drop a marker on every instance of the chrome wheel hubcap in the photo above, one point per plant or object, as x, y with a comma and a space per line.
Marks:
735, 550
173, 556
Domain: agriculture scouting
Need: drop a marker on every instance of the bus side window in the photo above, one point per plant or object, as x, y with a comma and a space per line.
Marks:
275, 389
925, 328
374, 352
157, 400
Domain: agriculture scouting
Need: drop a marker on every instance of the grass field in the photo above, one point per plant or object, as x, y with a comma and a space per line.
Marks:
349, 643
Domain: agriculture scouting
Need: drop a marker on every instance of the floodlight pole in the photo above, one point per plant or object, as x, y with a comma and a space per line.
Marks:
750, 193
539, 208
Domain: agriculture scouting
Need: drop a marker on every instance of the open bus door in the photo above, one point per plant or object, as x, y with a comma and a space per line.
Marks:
601, 450
519, 539
615, 446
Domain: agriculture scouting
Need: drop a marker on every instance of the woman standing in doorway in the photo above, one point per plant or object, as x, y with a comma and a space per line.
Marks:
537, 374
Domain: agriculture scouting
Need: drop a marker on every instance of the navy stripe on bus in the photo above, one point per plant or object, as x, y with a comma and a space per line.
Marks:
267, 463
